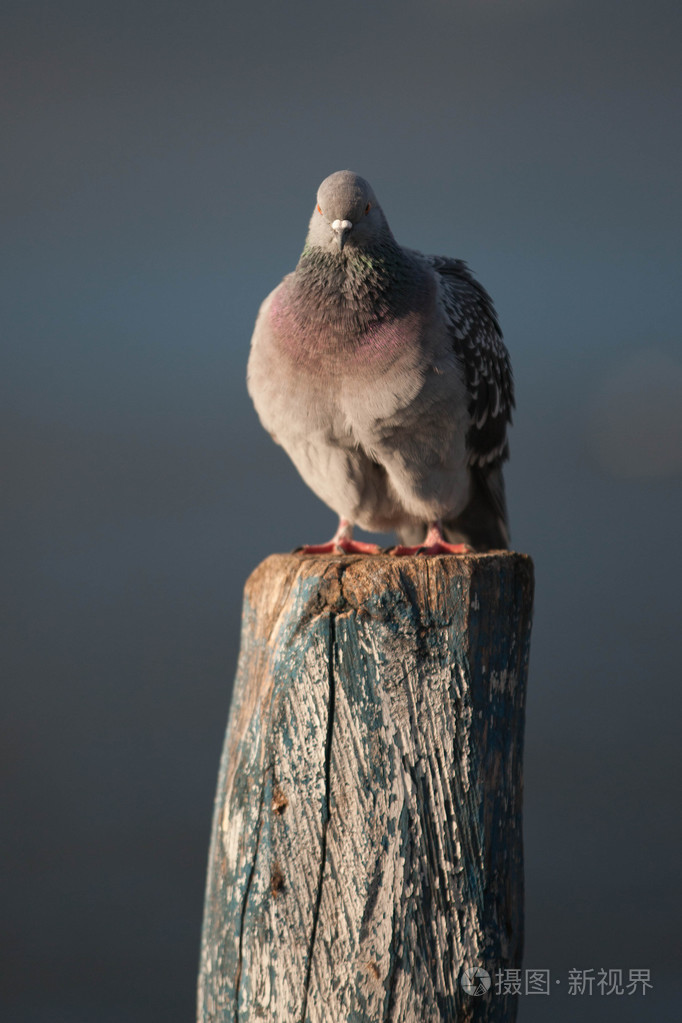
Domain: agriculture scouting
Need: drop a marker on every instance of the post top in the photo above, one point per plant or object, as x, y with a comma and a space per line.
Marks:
336, 582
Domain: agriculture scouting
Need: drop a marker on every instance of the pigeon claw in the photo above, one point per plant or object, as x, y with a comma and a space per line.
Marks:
342, 542
434, 543
442, 547
358, 547
343, 546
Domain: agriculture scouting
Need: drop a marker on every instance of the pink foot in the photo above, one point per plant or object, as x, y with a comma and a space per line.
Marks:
434, 543
344, 546
341, 543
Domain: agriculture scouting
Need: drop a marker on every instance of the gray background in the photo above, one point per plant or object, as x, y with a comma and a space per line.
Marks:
161, 162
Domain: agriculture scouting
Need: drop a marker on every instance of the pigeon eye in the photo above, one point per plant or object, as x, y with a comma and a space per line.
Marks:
319, 208
368, 208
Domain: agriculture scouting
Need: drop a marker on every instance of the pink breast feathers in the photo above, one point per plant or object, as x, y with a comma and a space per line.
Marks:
311, 335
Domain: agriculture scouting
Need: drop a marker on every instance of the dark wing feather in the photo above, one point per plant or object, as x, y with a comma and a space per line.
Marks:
477, 340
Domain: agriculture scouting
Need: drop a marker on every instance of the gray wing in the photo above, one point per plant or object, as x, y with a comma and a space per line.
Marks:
477, 341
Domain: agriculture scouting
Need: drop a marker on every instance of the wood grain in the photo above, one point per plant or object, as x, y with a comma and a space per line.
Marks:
367, 831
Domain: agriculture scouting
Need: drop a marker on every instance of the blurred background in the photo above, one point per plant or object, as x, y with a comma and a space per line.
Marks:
161, 163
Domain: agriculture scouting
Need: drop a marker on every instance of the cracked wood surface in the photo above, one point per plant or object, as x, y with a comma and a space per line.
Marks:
367, 831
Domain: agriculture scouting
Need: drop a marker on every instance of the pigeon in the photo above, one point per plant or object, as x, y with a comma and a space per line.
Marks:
383, 375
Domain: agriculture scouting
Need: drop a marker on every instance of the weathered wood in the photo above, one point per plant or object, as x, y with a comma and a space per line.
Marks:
367, 832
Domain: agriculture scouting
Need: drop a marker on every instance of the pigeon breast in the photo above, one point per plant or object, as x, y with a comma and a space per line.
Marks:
340, 318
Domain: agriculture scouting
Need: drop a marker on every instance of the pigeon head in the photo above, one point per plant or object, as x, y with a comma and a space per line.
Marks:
347, 214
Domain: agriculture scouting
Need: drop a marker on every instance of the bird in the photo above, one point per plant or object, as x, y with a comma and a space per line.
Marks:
383, 374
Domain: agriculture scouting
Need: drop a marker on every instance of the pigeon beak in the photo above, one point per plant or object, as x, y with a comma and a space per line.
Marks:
341, 229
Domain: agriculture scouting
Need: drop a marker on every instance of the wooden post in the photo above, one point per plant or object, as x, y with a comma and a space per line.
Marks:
367, 834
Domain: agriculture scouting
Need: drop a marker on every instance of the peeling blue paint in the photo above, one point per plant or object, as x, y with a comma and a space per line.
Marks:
327, 675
